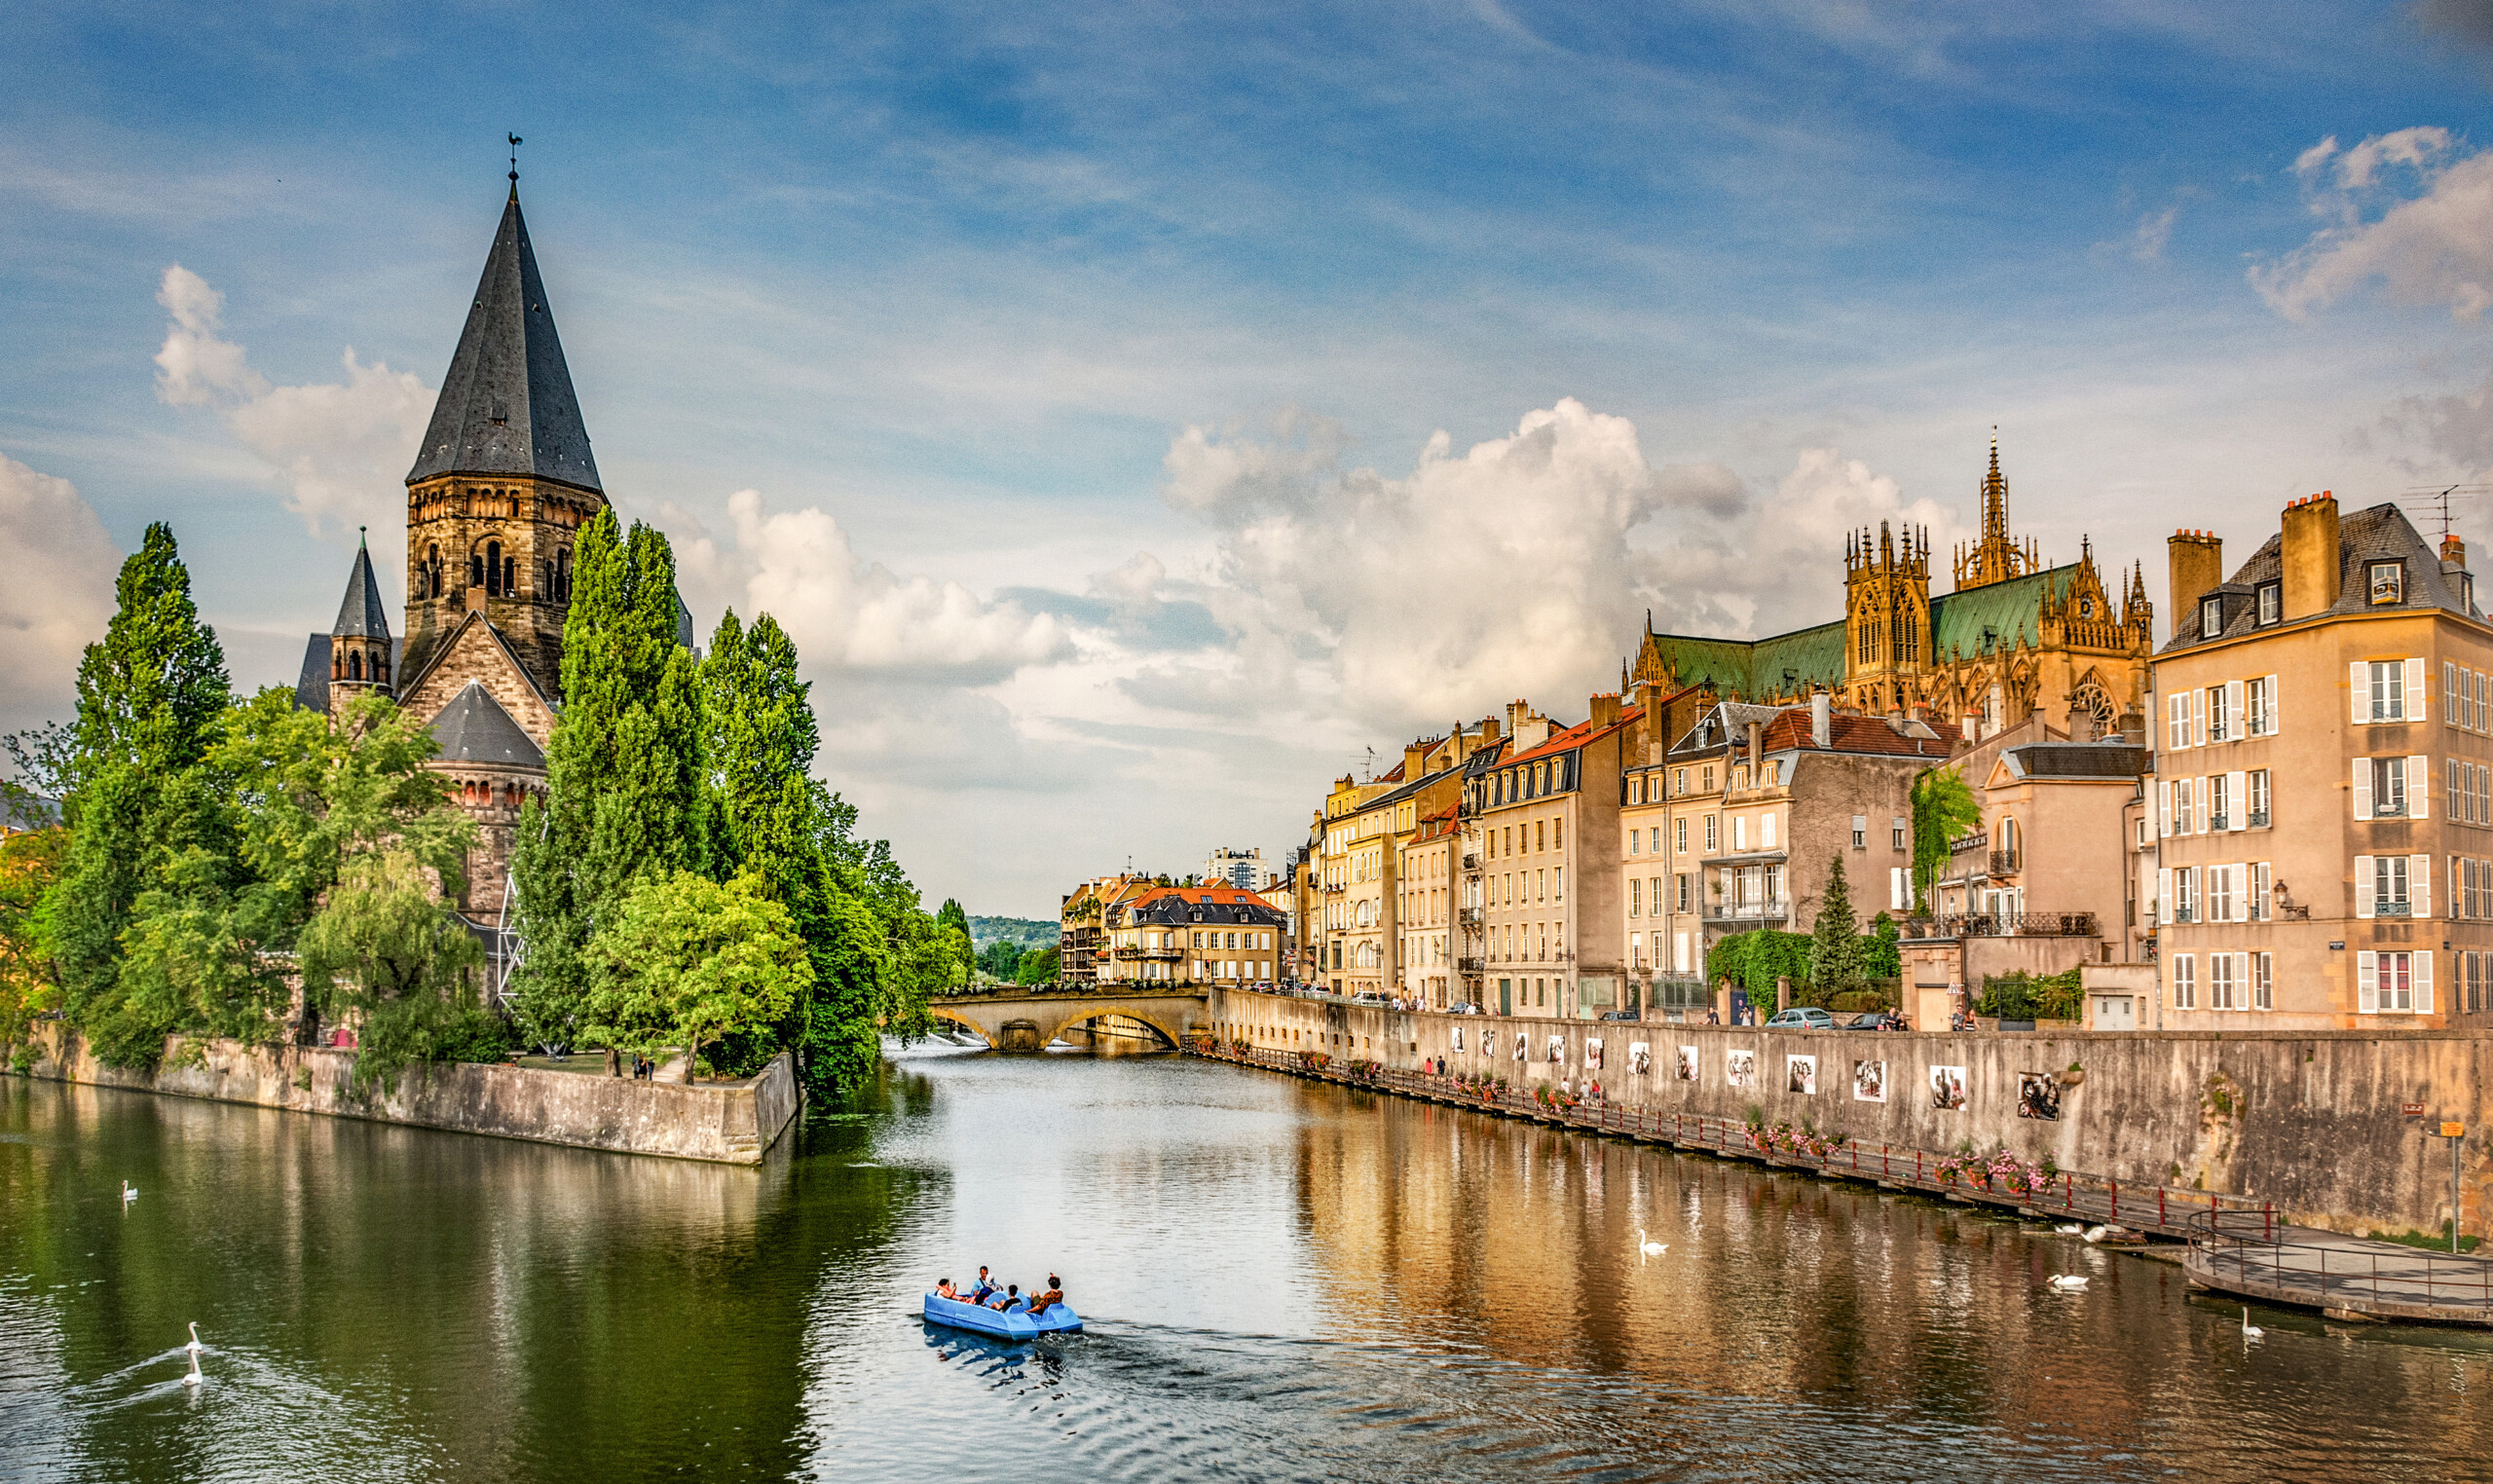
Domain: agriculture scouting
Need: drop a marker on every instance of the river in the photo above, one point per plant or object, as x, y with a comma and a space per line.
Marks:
1282, 1281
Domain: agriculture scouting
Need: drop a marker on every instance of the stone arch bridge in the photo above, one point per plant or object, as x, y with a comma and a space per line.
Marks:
1019, 1021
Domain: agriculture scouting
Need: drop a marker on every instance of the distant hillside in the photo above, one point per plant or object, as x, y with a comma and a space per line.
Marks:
1028, 932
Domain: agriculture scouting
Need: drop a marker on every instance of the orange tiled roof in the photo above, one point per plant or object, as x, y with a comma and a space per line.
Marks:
1790, 730
1576, 736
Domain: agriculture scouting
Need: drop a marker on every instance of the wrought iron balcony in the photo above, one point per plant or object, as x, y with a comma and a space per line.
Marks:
1748, 912
2401, 908
1468, 916
2024, 924
2259, 819
2003, 863
1469, 965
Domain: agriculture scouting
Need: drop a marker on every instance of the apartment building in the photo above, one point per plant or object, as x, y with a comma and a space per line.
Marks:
1082, 938
1424, 908
2324, 780
1546, 817
1759, 802
1194, 935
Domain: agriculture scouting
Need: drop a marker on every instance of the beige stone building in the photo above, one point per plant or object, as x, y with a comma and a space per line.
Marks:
1192, 935
1546, 819
1425, 908
2324, 782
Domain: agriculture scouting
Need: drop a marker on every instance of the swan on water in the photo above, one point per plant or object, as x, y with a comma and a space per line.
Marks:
2251, 1331
1645, 1250
193, 1347
2072, 1229
128, 1195
2067, 1282
2097, 1233
194, 1378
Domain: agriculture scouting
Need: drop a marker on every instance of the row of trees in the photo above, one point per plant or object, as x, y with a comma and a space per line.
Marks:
1007, 960
686, 882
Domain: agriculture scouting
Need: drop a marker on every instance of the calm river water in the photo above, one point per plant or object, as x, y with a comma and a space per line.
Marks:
1282, 1282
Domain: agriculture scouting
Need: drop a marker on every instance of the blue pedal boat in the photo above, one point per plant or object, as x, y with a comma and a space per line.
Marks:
1015, 1323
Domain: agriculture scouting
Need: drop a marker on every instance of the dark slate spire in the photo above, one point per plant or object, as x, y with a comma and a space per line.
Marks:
361, 615
506, 406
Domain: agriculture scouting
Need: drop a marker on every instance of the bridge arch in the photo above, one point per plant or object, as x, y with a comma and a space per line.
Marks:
1047, 1016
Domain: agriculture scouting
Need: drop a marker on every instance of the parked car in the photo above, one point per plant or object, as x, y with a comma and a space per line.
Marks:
1875, 1019
1465, 1007
1801, 1018
1620, 1014
1367, 997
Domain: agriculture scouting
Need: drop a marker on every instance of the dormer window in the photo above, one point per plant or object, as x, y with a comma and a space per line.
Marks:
2211, 618
2270, 604
2388, 583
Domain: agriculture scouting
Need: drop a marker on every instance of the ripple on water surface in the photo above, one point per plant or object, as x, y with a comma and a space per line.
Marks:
1285, 1281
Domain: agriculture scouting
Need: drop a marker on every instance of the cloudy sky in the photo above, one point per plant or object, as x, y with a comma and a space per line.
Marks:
1137, 413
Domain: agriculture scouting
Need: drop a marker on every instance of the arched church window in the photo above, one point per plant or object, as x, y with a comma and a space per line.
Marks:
475, 569
355, 667
493, 567
563, 577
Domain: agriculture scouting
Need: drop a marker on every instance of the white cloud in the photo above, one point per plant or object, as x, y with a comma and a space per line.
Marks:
2154, 234
2432, 246
342, 449
847, 614
61, 598
1521, 566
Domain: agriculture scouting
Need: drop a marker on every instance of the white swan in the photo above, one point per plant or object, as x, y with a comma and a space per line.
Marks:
128, 1195
2069, 1230
1646, 1249
194, 1378
2067, 1282
193, 1347
2251, 1331
2097, 1233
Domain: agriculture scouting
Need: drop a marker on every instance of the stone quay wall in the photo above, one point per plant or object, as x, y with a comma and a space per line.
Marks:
2313, 1121
732, 1124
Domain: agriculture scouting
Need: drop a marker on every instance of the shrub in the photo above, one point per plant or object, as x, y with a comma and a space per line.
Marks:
2023, 996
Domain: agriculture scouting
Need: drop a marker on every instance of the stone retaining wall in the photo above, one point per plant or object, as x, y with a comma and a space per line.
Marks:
732, 1124
2312, 1121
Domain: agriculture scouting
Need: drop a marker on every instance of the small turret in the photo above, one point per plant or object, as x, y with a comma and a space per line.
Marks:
361, 655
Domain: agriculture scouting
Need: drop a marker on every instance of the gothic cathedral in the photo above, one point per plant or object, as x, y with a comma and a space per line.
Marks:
2014, 637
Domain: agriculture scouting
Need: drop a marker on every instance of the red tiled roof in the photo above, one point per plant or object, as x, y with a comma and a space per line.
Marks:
1790, 730
1576, 736
1202, 896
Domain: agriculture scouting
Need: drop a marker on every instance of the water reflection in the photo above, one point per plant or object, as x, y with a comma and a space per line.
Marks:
1282, 1282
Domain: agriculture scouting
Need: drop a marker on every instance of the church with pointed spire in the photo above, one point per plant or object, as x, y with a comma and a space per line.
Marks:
501, 483
2014, 637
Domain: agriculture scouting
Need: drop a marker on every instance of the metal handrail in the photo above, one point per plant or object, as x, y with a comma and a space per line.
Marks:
2265, 1259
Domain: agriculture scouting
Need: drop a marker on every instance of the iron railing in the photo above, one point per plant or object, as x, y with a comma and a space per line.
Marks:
2020, 925
1749, 911
2003, 863
2252, 1253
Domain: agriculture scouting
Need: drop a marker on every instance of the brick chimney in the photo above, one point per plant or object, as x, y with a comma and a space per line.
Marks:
1822, 719
2454, 573
2313, 574
1414, 756
2198, 569
1605, 710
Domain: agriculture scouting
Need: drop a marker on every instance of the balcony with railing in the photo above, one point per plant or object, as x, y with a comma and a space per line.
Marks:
2259, 819
1468, 916
2022, 925
1471, 860
2393, 906
1471, 965
2003, 863
1775, 909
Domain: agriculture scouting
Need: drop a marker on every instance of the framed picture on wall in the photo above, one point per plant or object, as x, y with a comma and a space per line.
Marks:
1458, 1038
1947, 1089
1592, 1053
1801, 1075
1557, 1049
1640, 1057
2039, 1095
1739, 1068
1869, 1081
1688, 1064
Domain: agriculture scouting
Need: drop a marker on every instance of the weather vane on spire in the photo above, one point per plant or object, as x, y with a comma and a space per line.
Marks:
514, 162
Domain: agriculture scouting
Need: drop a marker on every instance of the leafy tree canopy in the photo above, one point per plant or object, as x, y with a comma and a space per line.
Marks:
690, 960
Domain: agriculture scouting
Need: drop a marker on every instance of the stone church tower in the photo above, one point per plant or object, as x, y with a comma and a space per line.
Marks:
500, 485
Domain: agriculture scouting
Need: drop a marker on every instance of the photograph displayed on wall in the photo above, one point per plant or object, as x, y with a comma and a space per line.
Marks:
1523, 1047
1801, 1074
1592, 1053
1557, 1049
1947, 1089
1739, 1068
1640, 1057
2039, 1095
1458, 1038
1869, 1081
1688, 1064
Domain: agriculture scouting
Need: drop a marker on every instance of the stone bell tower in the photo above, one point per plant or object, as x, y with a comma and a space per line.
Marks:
361, 657
504, 479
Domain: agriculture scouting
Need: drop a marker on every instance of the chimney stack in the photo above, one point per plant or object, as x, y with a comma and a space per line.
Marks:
2311, 574
2197, 570
1605, 710
1822, 719
1414, 756
2454, 573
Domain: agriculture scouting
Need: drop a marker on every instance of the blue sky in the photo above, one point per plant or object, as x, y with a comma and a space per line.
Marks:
1082, 363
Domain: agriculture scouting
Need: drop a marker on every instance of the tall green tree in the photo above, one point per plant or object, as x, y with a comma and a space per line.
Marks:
1944, 810
1038, 966
628, 796
387, 943
149, 696
1834, 938
955, 924
688, 961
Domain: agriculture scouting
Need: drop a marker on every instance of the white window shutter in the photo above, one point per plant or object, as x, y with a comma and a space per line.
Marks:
2361, 684
2164, 894
2419, 884
2423, 982
2233, 716
2368, 983
2363, 788
2163, 810
2276, 708
2236, 799
2242, 982
2363, 886
2242, 890
2419, 787
2415, 708
2198, 717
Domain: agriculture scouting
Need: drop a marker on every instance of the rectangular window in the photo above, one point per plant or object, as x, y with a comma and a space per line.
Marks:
2389, 884
2271, 605
1739, 832
1896, 829
2261, 703
1899, 889
1679, 781
2220, 985
2186, 894
2264, 981
2384, 682
2177, 719
1678, 835
2221, 896
2185, 815
1682, 890
2211, 618
2185, 982
1766, 830
2380, 788
1635, 788
2218, 715
2452, 714
1558, 883
2256, 891
2387, 983
2255, 799
1861, 832
2388, 581
1710, 837
2219, 801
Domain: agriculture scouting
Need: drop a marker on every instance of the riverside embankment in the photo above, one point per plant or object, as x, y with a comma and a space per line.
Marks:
2316, 1122
727, 1122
